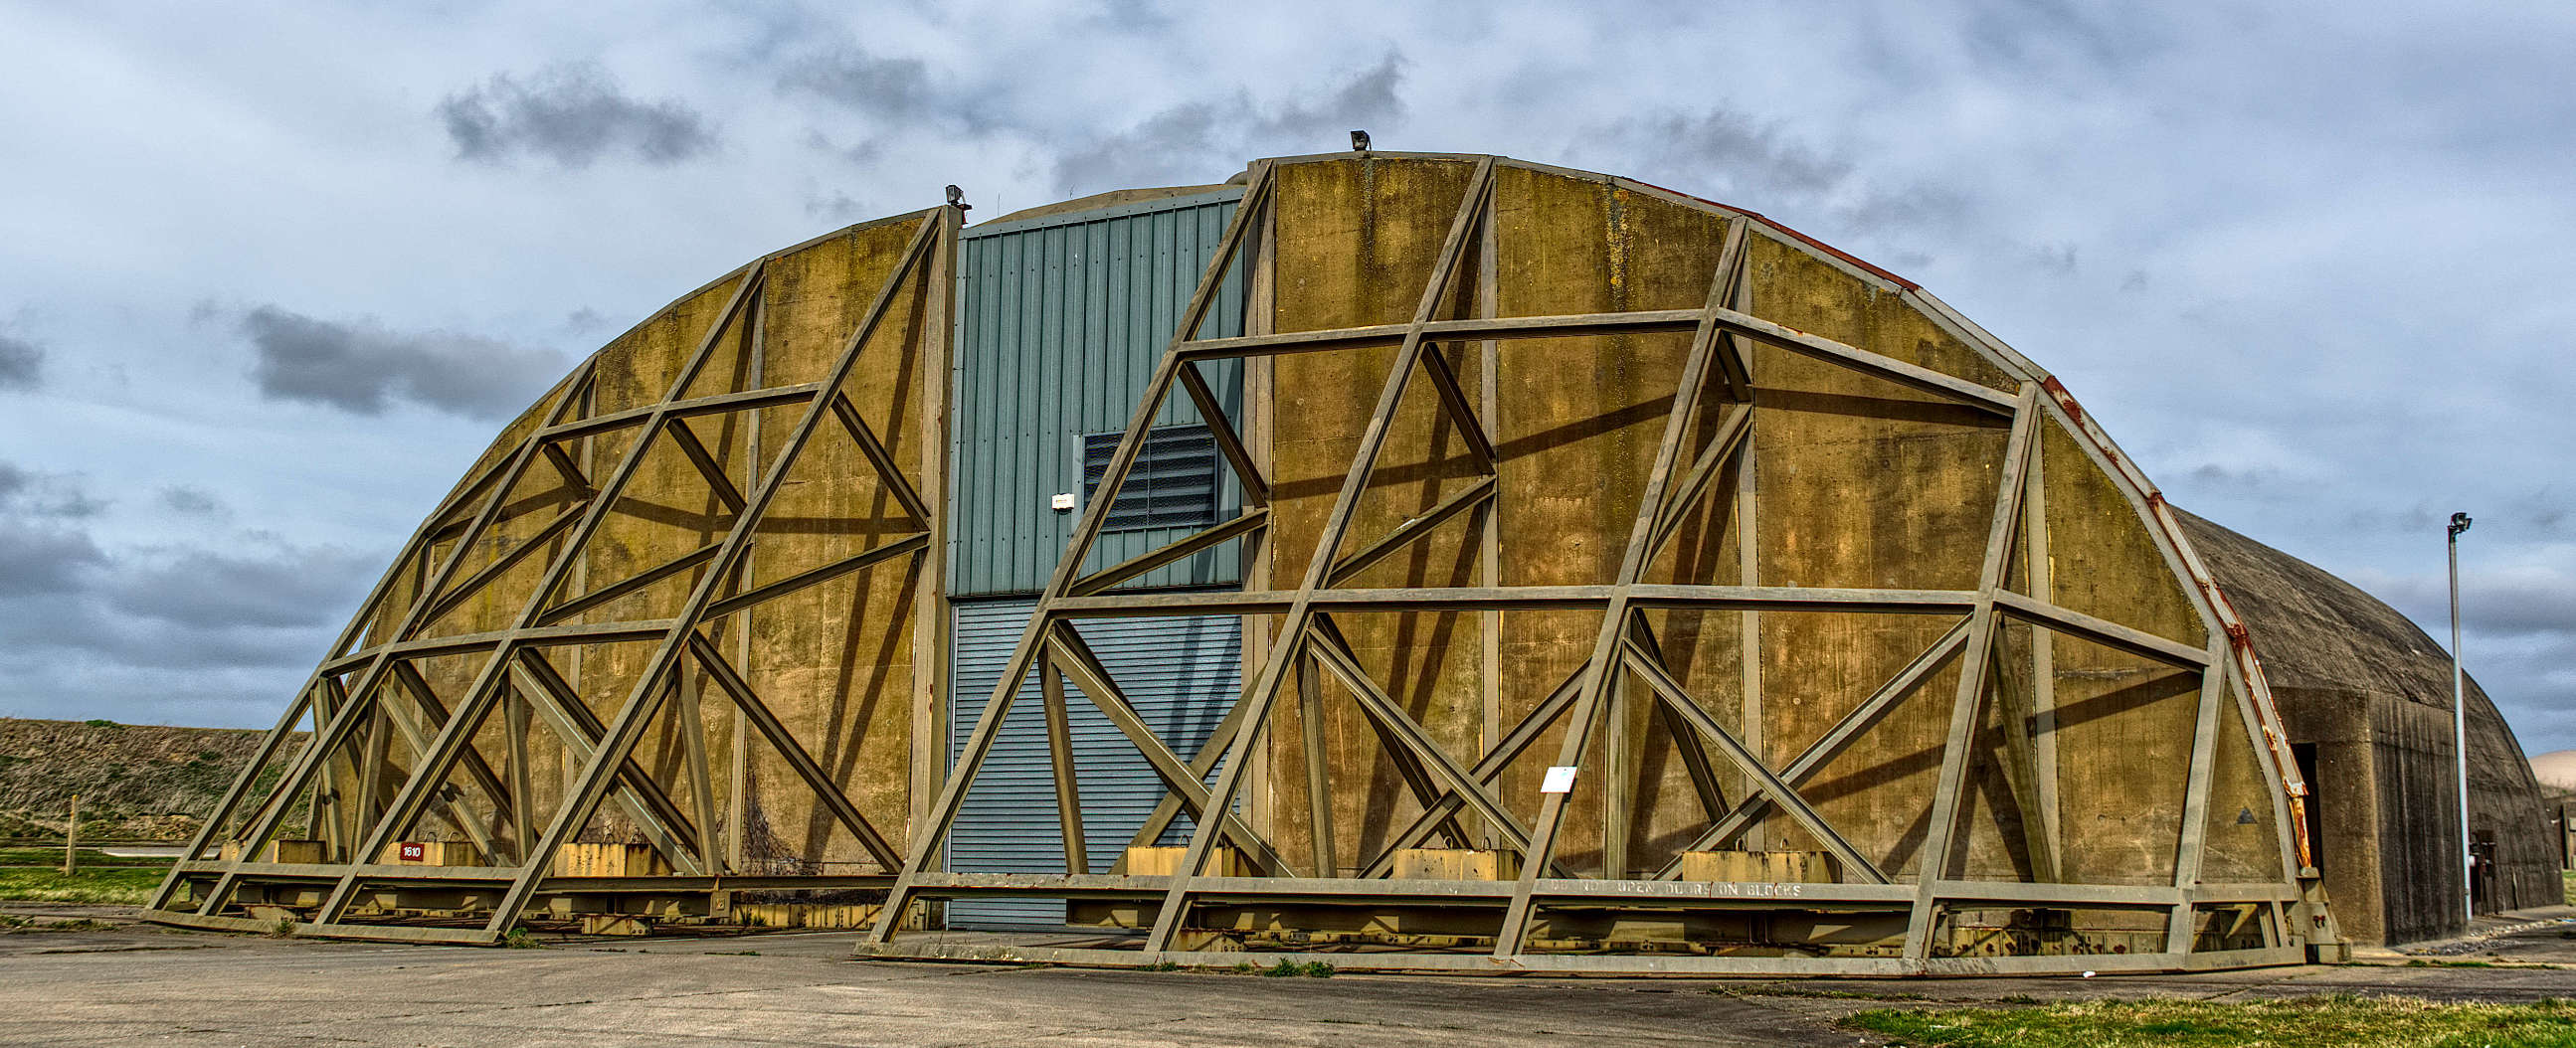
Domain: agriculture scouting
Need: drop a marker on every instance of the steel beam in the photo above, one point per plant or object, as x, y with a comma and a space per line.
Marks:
1068, 653
1265, 690
1933, 864
1602, 665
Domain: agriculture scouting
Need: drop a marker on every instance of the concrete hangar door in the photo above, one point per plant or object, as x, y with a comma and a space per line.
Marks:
1182, 674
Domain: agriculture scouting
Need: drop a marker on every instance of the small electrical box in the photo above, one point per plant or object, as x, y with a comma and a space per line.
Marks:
1064, 500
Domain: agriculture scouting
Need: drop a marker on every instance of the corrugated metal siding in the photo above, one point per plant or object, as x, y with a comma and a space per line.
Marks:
1180, 673
1062, 322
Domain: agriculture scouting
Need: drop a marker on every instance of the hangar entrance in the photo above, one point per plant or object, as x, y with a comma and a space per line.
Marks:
1179, 675
2305, 753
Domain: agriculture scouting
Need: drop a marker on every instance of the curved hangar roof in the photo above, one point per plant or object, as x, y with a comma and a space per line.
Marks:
2370, 693
1621, 537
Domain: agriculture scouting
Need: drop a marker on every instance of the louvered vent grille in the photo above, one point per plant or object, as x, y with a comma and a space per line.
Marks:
1173, 484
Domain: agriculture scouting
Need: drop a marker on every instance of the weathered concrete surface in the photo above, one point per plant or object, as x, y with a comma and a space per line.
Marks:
135, 985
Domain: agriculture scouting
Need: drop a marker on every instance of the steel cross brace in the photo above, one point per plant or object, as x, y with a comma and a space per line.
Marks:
490, 682
1265, 690
627, 727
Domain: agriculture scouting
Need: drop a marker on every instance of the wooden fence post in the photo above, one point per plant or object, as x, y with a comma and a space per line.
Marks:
71, 840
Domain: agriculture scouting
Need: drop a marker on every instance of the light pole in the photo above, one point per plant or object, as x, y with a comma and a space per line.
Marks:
2460, 729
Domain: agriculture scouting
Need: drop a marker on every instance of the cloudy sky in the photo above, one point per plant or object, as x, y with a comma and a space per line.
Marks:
271, 276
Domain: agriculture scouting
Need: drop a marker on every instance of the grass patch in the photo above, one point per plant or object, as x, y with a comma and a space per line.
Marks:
520, 939
1311, 969
122, 885
2316, 1022
2567, 881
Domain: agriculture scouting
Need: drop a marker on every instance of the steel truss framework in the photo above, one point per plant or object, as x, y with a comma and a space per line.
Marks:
360, 697
1452, 786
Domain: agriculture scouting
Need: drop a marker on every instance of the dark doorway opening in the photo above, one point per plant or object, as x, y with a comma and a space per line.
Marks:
2482, 865
2306, 754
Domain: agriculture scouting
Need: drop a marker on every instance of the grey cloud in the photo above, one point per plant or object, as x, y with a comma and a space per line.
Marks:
571, 115
361, 367
42, 549
1152, 151
1208, 139
1917, 206
835, 207
199, 588
73, 626
22, 364
2024, 32
74, 614
1736, 147
2213, 475
1369, 96
1132, 16
1765, 165
867, 150
29, 494
43, 685
893, 87
193, 501
43, 558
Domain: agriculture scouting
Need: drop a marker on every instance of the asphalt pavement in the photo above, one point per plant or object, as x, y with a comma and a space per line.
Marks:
113, 982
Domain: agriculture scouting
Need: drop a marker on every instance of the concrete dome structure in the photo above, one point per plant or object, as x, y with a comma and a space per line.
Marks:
2555, 769
2366, 699
1399, 561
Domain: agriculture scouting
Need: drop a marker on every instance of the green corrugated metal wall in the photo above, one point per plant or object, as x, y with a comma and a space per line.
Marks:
1062, 322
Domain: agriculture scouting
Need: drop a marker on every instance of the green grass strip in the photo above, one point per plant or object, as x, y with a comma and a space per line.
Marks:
2315, 1022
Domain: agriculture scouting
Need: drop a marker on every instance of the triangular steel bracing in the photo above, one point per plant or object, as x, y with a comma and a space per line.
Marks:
372, 691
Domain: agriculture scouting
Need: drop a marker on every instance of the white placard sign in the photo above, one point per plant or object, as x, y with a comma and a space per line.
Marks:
1560, 779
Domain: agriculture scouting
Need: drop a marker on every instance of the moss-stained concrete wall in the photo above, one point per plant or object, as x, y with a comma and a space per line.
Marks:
1361, 239
834, 660
1850, 481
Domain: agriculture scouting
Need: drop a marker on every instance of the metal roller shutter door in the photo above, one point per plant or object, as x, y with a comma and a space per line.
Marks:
1181, 673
